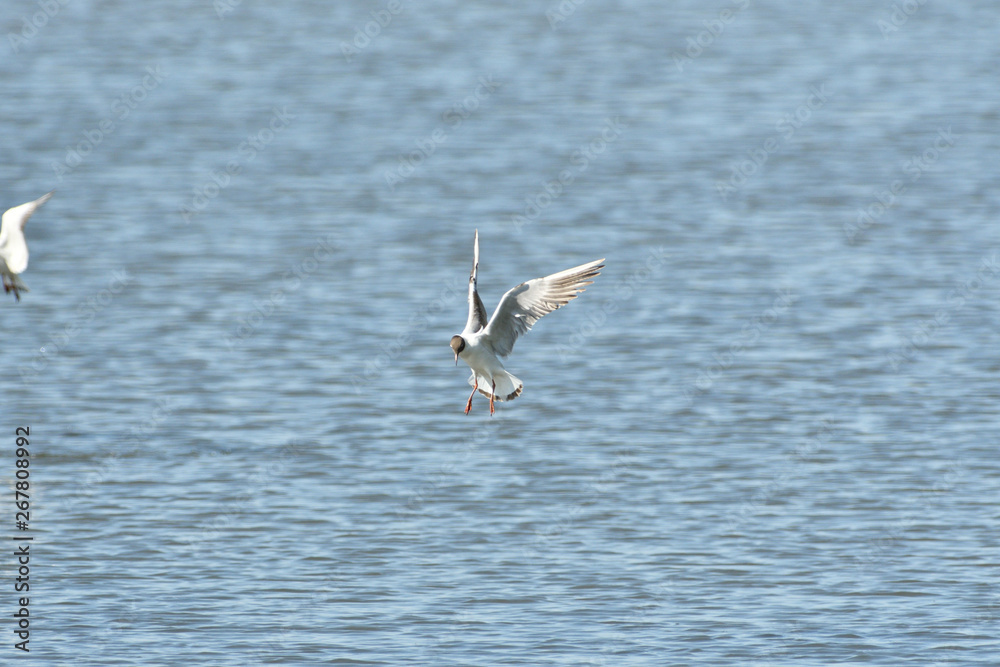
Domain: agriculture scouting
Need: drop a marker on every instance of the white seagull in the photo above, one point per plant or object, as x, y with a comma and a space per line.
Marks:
481, 343
13, 249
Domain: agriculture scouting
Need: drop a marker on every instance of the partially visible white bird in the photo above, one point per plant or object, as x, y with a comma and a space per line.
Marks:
13, 249
481, 343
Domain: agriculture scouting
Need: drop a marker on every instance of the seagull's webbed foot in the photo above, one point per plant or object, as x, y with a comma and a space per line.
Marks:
468, 406
492, 394
14, 285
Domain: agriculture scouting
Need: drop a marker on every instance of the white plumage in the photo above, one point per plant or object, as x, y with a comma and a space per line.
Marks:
483, 341
13, 248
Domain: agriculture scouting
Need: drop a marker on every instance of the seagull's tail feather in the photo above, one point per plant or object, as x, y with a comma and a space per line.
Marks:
508, 386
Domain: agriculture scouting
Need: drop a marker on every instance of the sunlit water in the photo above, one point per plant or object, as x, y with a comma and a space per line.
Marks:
766, 435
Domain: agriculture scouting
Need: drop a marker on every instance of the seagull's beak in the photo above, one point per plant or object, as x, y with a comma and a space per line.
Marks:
456, 358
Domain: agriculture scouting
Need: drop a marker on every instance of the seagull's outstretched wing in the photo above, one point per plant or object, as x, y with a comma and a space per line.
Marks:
13, 249
522, 306
477, 311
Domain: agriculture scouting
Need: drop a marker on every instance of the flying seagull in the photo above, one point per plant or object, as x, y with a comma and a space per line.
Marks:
481, 343
13, 249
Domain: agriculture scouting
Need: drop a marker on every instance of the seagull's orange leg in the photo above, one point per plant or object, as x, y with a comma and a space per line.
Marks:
492, 393
468, 406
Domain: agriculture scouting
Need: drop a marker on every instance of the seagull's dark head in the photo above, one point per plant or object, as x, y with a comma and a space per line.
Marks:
457, 345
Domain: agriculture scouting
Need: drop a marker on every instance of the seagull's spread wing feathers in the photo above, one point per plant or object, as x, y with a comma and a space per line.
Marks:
477, 311
13, 249
523, 305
